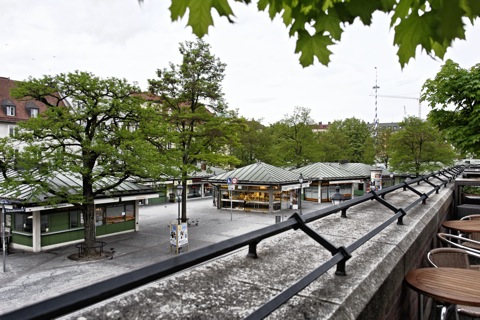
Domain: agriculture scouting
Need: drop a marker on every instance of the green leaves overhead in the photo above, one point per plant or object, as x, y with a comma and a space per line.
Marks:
454, 95
200, 17
431, 25
313, 46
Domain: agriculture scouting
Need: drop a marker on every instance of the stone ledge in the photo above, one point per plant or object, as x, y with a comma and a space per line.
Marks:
234, 286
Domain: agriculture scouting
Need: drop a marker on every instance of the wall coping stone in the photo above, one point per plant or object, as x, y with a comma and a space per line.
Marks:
234, 286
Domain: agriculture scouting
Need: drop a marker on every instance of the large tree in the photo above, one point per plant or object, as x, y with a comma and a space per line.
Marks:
199, 126
350, 139
317, 24
90, 138
293, 141
454, 95
254, 145
333, 145
418, 148
382, 143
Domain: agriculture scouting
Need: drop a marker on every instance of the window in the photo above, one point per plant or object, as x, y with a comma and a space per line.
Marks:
33, 113
44, 223
12, 130
120, 213
23, 222
10, 110
61, 221
76, 219
99, 216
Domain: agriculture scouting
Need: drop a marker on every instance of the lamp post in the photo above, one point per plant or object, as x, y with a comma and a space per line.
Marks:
300, 179
3, 235
179, 190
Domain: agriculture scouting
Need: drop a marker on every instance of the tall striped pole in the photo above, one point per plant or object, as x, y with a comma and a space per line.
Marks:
375, 120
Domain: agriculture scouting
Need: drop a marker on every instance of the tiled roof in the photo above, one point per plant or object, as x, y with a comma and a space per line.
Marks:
258, 173
21, 106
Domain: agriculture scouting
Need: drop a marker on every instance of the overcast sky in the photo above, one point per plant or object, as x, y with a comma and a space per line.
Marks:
264, 80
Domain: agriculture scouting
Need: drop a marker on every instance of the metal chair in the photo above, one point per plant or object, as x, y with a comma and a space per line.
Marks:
448, 258
460, 242
454, 258
474, 235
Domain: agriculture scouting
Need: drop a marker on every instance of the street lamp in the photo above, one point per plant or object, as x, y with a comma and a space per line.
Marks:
300, 179
179, 190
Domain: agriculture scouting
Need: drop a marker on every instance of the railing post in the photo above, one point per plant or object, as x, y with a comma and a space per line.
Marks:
252, 250
400, 219
341, 265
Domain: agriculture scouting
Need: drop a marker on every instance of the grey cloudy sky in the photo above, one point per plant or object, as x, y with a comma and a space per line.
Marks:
264, 80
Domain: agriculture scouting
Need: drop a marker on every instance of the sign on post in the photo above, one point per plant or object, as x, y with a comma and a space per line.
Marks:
4, 247
178, 235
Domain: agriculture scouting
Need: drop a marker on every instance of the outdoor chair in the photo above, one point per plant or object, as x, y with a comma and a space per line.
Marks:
470, 245
448, 258
474, 235
471, 217
454, 258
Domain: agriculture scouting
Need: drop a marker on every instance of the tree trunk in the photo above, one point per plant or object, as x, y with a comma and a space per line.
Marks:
90, 232
184, 200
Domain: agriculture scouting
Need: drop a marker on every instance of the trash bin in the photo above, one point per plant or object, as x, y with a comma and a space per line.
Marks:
278, 219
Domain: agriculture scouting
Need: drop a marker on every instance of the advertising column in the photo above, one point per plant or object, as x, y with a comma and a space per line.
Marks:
376, 179
178, 235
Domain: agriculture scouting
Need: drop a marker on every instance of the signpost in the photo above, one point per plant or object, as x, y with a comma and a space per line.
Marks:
231, 186
4, 216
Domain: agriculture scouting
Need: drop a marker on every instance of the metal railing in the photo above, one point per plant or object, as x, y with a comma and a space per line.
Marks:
100, 291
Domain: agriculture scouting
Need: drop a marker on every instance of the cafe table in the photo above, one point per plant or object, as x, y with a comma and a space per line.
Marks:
464, 226
451, 286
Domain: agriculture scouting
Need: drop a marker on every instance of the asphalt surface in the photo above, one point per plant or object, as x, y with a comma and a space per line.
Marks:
32, 277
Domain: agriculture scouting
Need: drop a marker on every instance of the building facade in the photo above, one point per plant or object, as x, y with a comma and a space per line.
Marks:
34, 225
259, 187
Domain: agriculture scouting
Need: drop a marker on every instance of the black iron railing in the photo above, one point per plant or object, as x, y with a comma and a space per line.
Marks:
84, 297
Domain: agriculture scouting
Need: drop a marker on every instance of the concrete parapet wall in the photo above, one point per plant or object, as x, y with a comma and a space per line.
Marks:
234, 286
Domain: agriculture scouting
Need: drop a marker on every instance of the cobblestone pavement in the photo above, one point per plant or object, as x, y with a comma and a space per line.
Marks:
31, 277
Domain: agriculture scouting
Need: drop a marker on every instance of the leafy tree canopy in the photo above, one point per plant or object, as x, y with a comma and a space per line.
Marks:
418, 148
255, 143
454, 95
382, 144
318, 24
351, 139
198, 125
294, 142
88, 131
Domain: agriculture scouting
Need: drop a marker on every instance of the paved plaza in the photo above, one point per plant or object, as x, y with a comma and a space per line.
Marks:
31, 277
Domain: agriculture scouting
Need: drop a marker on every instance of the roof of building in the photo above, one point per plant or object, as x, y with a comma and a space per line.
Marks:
258, 173
335, 170
22, 106
71, 184
207, 172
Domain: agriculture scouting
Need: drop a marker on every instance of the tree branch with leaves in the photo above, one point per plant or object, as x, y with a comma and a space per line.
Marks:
318, 24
